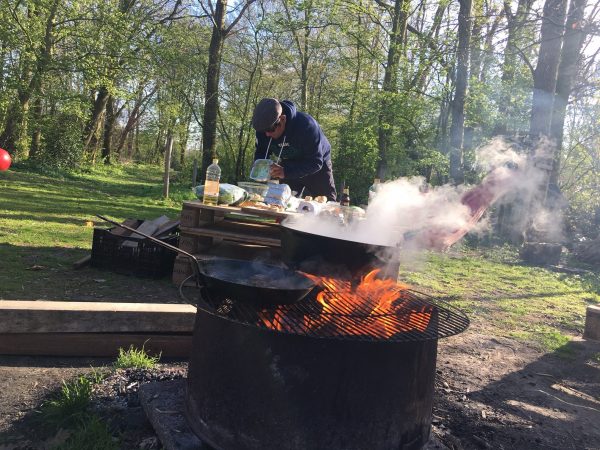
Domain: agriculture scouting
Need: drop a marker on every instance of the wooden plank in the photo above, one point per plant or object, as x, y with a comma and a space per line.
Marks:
167, 227
94, 317
232, 236
82, 262
148, 227
93, 344
131, 223
266, 212
197, 204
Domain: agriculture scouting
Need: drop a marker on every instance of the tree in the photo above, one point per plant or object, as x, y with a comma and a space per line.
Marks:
217, 13
546, 70
570, 57
458, 103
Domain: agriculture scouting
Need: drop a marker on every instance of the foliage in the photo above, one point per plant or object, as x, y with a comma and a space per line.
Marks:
70, 404
136, 359
93, 434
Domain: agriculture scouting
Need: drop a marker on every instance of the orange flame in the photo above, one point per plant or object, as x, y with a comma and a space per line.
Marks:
375, 307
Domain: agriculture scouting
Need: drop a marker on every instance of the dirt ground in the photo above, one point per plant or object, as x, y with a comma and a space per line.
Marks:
491, 393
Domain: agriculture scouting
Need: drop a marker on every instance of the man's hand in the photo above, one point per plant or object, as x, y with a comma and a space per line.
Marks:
277, 171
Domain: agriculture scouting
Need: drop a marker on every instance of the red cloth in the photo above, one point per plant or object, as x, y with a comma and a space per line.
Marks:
478, 199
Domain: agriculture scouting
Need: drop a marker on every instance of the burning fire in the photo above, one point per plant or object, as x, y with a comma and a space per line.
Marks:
375, 307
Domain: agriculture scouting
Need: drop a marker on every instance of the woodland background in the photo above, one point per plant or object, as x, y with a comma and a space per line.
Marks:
401, 88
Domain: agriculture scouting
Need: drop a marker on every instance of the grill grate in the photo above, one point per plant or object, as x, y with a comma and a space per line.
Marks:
329, 313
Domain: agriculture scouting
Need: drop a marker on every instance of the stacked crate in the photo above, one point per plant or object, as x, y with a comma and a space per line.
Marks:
208, 231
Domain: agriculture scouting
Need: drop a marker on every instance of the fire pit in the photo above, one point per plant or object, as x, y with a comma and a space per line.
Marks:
351, 366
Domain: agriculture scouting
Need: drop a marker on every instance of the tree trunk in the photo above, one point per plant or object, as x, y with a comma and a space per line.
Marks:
211, 97
458, 104
516, 26
569, 61
36, 137
93, 124
109, 123
544, 77
390, 87
167, 166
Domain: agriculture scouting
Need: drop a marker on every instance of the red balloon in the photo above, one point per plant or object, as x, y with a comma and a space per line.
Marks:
4, 159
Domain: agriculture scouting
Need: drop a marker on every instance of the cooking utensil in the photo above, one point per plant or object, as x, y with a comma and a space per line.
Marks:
259, 283
301, 246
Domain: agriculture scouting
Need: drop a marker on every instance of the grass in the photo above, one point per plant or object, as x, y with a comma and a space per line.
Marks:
44, 223
70, 409
531, 304
93, 434
135, 359
43, 231
70, 405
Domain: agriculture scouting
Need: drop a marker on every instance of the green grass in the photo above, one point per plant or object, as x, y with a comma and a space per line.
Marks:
135, 359
70, 405
43, 223
70, 409
92, 434
532, 304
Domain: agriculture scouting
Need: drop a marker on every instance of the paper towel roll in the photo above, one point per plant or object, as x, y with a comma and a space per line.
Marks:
309, 207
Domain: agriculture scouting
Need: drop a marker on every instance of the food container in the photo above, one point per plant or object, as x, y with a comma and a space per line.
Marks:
254, 188
261, 170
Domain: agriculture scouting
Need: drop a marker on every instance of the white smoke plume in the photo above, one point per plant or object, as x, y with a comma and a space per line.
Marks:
407, 213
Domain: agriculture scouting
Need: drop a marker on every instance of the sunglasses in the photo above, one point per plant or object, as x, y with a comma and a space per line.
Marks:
274, 126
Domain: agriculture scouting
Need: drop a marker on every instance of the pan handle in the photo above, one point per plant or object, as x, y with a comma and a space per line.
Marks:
195, 262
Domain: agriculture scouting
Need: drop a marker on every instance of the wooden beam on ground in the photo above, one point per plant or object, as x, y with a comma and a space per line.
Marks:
82, 262
21, 316
592, 323
93, 344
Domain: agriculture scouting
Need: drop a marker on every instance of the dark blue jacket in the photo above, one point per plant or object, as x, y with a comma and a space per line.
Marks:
306, 155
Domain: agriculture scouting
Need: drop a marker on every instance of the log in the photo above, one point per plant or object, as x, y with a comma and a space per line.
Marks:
21, 316
592, 323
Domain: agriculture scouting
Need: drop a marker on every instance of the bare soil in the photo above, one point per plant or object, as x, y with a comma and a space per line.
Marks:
491, 393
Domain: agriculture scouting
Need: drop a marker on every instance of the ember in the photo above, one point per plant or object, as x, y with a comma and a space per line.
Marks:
375, 307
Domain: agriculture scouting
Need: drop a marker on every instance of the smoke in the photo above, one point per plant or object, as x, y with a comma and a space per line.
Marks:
409, 214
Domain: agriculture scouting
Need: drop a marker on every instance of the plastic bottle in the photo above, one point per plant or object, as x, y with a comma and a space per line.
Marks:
345, 199
374, 189
211, 183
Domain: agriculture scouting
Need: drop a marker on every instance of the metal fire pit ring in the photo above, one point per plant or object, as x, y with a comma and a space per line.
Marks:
444, 320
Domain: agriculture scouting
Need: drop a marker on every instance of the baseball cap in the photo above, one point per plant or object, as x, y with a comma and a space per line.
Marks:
266, 113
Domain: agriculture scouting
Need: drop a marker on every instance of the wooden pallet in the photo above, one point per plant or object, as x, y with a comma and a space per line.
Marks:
206, 230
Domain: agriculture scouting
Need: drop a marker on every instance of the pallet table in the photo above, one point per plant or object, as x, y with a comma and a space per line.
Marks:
245, 233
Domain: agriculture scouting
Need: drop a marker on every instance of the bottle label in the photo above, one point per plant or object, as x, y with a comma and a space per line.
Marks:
211, 192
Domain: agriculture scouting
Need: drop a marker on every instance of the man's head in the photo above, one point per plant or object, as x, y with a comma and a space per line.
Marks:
268, 119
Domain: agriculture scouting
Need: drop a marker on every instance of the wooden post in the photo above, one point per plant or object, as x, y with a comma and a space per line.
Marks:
195, 173
168, 152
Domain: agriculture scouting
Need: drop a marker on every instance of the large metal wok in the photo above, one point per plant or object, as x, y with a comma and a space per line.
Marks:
298, 247
256, 282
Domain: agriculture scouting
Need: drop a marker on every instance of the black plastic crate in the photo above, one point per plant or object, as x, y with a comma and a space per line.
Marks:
146, 259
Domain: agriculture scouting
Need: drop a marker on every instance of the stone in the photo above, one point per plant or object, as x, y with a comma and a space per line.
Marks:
163, 403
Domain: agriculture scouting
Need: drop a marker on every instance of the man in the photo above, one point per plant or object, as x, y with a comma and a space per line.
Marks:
305, 161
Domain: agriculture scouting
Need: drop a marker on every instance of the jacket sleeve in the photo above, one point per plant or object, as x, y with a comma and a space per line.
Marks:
312, 156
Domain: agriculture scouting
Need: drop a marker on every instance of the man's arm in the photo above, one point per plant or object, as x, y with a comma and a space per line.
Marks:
312, 156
